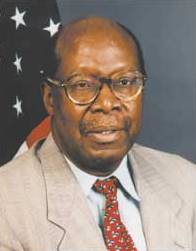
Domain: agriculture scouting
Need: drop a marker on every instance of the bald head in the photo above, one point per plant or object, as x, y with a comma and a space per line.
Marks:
95, 29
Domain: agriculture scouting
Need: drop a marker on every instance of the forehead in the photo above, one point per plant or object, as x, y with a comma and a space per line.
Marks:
103, 51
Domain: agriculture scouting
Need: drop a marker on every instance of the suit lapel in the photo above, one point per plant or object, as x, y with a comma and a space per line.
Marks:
162, 210
72, 223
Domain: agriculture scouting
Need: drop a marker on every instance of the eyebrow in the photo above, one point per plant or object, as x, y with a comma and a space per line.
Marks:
122, 70
73, 76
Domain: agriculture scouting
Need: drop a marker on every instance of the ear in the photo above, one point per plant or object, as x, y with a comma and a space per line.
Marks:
48, 98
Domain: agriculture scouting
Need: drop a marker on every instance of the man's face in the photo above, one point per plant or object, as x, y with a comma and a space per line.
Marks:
96, 136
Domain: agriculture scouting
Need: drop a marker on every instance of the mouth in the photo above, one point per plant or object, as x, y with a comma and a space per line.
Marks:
104, 136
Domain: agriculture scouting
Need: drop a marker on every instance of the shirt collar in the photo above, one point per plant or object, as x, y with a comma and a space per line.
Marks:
87, 180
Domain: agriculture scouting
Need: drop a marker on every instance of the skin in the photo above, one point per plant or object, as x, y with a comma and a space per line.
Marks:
101, 49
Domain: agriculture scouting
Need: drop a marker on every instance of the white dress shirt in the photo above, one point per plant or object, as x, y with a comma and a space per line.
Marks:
128, 200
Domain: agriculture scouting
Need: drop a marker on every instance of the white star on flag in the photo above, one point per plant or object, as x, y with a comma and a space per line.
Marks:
19, 18
52, 28
17, 63
18, 106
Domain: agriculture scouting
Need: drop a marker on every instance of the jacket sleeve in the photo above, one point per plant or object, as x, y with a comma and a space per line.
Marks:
8, 240
194, 229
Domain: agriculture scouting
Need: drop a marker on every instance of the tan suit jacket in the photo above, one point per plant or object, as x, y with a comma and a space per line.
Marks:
42, 207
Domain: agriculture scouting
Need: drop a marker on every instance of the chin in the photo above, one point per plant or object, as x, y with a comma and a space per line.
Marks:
107, 156
113, 150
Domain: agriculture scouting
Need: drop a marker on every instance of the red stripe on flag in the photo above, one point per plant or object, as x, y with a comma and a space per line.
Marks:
39, 132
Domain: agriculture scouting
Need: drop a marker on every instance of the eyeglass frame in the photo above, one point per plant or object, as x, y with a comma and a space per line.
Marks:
102, 81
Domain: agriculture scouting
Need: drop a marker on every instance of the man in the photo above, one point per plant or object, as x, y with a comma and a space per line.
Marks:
88, 187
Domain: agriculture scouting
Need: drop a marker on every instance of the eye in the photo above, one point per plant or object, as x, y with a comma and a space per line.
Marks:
82, 84
127, 81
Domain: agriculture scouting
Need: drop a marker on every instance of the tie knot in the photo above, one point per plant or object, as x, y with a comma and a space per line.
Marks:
107, 187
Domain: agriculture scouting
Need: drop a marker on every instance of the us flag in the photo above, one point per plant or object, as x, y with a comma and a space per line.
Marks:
28, 29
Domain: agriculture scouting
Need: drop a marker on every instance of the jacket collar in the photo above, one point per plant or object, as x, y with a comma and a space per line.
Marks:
66, 204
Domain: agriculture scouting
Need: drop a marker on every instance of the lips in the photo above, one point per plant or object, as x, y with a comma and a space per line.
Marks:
105, 130
102, 129
104, 135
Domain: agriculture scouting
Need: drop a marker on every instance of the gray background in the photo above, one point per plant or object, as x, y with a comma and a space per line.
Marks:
166, 30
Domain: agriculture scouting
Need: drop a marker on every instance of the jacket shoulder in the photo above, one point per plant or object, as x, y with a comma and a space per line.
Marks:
157, 157
22, 160
174, 169
20, 170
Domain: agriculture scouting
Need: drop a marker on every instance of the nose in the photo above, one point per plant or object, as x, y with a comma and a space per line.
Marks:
106, 101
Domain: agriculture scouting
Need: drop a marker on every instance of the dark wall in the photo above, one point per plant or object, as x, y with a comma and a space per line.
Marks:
166, 30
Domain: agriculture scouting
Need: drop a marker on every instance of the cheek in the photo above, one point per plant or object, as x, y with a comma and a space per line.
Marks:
134, 110
68, 117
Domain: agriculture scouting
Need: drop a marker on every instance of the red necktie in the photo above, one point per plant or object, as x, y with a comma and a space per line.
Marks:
115, 233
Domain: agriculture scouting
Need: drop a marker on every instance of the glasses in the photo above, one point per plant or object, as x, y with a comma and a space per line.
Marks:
84, 91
